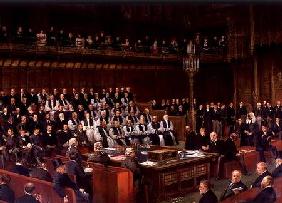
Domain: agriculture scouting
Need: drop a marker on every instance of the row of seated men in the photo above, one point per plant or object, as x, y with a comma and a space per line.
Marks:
236, 185
8, 195
16, 138
226, 148
75, 97
52, 119
62, 177
102, 41
174, 107
74, 167
225, 119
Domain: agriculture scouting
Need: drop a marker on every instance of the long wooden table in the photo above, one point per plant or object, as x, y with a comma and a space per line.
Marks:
176, 177
251, 194
173, 177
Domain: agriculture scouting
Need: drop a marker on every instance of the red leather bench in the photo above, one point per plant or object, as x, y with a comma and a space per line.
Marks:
44, 188
251, 193
251, 157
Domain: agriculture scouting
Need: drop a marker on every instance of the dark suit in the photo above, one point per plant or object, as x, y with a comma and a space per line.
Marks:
63, 137
49, 138
201, 141
99, 157
252, 128
216, 147
263, 141
228, 192
267, 195
278, 111
81, 138
190, 142
230, 149
33, 98
19, 169
132, 165
199, 119
259, 179
277, 172
73, 168
61, 181
230, 116
6, 193
208, 120
26, 199
263, 144
208, 197
41, 174
277, 129
241, 112
231, 154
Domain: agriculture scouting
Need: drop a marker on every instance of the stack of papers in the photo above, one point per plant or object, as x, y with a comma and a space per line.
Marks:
190, 153
88, 170
149, 163
246, 151
118, 158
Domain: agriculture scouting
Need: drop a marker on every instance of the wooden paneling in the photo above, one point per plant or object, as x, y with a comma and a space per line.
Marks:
147, 81
270, 72
112, 184
178, 123
269, 77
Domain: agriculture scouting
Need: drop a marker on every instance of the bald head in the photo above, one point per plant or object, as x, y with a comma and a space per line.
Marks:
29, 188
213, 136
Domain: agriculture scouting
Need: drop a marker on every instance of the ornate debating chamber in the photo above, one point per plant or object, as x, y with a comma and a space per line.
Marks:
172, 81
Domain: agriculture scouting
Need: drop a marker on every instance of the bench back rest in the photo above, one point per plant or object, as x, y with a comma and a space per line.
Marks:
44, 188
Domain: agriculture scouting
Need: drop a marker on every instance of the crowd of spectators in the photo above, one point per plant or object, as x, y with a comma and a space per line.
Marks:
173, 107
35, 125
221, 129
52, 119
102, 41
225, 119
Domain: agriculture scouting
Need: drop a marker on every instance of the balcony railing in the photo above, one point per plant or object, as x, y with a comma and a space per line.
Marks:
217, 54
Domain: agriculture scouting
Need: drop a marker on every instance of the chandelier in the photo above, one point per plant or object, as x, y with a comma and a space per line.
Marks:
191, 65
